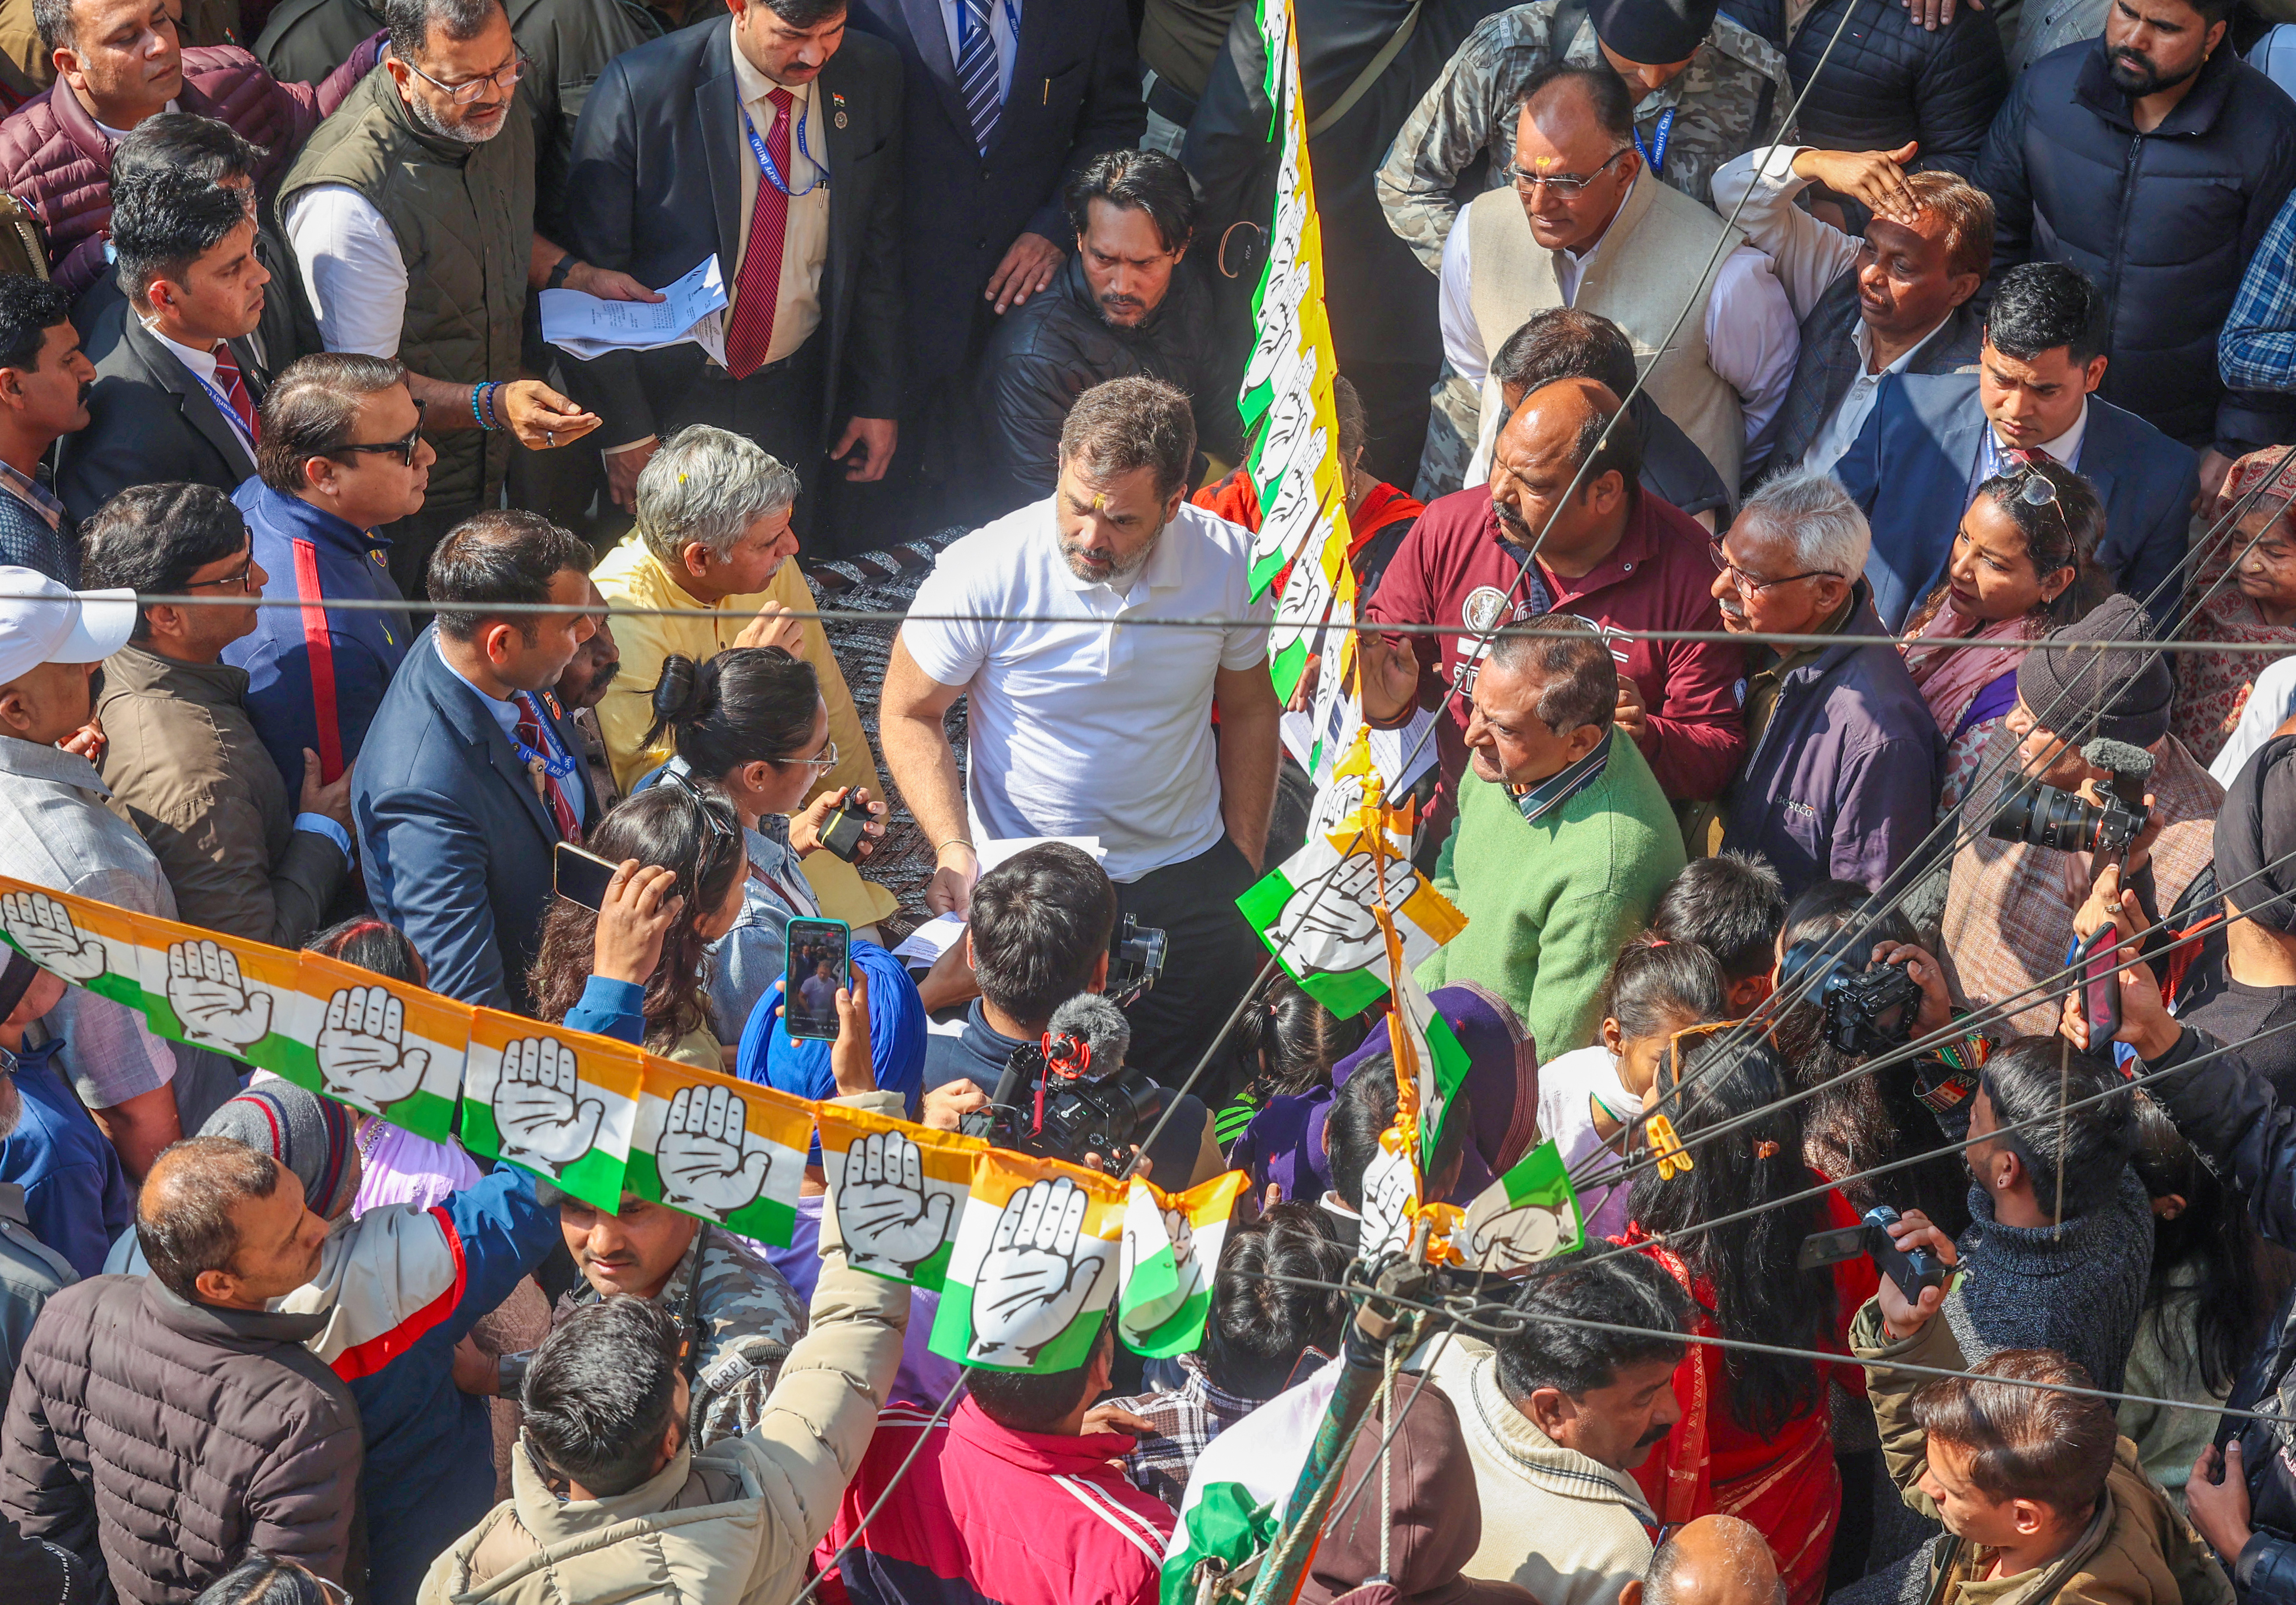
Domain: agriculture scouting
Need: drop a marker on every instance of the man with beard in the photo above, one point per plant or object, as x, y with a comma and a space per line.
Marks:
1841, 777
1128, 302
411, 213
1608, 551
2153, 158
44, 384
591, 670
1079, 727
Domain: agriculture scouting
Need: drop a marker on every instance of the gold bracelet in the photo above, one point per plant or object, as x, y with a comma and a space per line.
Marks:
956, 841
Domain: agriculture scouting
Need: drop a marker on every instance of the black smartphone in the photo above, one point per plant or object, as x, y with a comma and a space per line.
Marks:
818, 965
841, 829
1911, 1269
2100, 973
581, 877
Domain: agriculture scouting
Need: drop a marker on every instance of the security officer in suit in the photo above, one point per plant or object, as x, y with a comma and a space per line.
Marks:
774, 141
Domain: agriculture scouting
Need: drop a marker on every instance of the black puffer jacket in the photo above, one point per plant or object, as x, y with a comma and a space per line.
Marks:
160, 1441
2165, 222
1054, 347
1889, 80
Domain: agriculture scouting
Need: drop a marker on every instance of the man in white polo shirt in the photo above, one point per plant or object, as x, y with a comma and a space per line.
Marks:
1085, 726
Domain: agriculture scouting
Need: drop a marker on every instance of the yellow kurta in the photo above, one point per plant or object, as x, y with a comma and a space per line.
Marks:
631, 576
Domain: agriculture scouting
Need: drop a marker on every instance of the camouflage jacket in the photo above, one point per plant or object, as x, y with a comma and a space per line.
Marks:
1732, 97
748, 1315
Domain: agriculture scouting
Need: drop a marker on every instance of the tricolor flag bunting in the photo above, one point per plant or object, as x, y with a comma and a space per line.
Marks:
393, 1053
899, 1191
1033, 1267
1528, 1214
559, 1103
232, 996
1318, 914
1171, 1248
724, 1149
88, 944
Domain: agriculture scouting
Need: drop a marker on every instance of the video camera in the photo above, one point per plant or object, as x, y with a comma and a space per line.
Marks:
1866, 1011
1070, 1093
1911, 1269
1135, 960
2070, 822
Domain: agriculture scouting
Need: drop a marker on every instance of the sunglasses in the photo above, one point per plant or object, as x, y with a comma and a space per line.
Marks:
403, 448
718, 828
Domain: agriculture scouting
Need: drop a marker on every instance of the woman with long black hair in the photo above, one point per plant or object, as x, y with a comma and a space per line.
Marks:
1754, 1439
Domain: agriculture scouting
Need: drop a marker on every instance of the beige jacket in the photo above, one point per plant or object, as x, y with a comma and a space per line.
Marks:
187, 770
1568, 1529
733, 1525
2137, 1549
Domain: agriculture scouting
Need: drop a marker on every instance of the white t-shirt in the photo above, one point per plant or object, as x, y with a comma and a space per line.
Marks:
1566, 1082
1083, 727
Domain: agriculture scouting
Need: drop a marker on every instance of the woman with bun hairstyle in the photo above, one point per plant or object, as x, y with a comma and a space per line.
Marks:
749, 725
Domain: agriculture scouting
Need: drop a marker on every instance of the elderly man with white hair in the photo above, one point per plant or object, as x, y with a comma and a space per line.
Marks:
1844, 757
713, 533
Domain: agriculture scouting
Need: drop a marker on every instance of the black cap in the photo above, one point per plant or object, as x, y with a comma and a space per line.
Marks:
1652, 32
2121, 691
2256, 834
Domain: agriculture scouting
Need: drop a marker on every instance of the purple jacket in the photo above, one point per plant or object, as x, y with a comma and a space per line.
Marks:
1843, 783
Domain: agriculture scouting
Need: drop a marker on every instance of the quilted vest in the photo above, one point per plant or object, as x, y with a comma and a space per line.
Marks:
463, 216
1639, 280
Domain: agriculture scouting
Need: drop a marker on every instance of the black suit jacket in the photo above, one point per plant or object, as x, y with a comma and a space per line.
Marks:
657, 171
149, 422
1076, 93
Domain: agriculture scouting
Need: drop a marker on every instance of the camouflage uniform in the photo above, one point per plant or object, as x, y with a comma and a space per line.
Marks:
748, 1315
1732, 97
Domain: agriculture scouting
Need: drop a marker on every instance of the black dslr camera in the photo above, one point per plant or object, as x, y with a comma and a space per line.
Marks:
1072, 1095
1866, 1011
2070, 822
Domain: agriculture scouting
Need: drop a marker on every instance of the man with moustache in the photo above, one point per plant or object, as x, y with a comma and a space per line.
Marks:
2155, 159
1608, 551
1082, 728
1128, 302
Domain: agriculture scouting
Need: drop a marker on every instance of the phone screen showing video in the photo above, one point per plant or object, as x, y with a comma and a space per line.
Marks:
817, 969
2100, 988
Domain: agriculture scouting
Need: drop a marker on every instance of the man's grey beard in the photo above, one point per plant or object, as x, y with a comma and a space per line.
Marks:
1117, 573
462, 134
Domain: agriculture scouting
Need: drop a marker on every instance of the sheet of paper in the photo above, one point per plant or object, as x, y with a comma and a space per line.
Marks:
929, 940
585, 326
993, 853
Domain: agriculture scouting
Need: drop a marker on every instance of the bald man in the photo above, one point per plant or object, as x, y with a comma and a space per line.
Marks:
1714, 1561
1611, 552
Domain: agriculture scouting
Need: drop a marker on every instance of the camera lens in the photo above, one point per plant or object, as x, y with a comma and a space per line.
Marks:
2067, 824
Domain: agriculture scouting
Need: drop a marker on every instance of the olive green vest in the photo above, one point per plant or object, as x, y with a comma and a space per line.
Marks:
464, 215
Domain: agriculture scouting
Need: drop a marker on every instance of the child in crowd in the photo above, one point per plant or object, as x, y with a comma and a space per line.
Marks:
1587, 1097
1733, 906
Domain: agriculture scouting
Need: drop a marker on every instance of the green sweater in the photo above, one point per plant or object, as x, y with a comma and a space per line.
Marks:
1548, 905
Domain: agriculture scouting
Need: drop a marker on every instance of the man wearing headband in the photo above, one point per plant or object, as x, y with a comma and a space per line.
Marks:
2009, 905
55, 831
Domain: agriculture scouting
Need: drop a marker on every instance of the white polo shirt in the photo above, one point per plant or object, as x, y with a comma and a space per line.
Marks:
1083, 727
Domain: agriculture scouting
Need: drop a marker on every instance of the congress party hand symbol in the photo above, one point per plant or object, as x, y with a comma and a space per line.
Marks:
362, 1052
43, 928
545, 1122
887, 1217
216, 1008
1039, 1272
708, 1162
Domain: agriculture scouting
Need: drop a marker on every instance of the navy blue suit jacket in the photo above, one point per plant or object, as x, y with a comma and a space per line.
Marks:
1076, 93
456, 845
1910, 469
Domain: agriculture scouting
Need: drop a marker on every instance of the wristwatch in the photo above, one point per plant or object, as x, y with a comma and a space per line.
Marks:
557, 280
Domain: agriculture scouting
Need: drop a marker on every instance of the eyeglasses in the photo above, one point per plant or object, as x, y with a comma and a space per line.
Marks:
824, 760
242, 578
505, 78
1565, 184
403, 448
1747, 586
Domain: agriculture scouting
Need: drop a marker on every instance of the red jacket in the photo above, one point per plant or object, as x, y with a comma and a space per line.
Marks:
988, 1516
55, 160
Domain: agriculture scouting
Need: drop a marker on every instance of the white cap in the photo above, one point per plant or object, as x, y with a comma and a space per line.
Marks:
42, 621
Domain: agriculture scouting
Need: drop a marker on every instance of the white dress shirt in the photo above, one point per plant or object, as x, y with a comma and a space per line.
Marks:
1752, 335
1080, 726
351, 268
805, 242
1004, 20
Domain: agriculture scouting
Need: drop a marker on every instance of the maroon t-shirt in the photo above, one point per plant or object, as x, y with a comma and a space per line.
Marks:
1455, 568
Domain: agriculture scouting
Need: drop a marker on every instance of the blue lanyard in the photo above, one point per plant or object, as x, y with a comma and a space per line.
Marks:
765, 160
965, 24
560, 765
1656, 157
230, 413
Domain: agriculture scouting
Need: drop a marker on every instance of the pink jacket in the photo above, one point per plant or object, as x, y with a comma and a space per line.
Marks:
988, 1516
55, 160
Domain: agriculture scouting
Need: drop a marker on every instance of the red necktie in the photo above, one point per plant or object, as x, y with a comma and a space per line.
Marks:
759, 288
229, 380
2026, 456
530, 736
